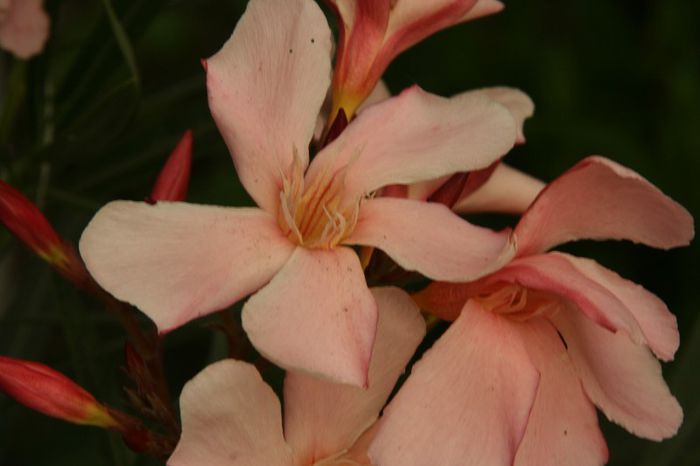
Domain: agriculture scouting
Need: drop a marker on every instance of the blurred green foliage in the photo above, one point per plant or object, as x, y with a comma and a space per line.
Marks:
93, 118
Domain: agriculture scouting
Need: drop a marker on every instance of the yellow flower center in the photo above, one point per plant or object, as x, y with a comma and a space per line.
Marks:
316, 213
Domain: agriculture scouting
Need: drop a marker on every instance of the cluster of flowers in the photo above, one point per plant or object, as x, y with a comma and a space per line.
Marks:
537, 338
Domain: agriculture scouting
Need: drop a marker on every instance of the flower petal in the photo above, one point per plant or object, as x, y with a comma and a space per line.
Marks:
230, 416
323, 418
266, 87
563, 427
24, 28
316, 315
178, 261
656, 321
508, 190
430, 239
621, 377
553, 273
417, 136
483, 8
519, 104
599, 199
412, 21
472, 392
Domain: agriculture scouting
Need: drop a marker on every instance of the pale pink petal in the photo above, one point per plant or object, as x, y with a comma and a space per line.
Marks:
521, 107
380, 93
621, 377
555, 274
316, 315
563, 426
483, 8
430, 239
24, 28
323, 418
466, 402
599, 199
424, 189
656, 321
266, 87
230, 417
417, 136
519, 104
178, 261
508, 190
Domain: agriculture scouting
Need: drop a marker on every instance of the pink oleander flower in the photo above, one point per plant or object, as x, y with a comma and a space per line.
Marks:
174, 178
373, 32
313, 310
24, 27
231, 417
535, 345
26, 222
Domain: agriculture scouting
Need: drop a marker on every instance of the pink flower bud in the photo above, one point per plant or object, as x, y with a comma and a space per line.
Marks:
173, 180
28, 224
24, 27
51, 393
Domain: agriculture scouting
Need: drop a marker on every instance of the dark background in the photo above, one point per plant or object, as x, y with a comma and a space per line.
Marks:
94, 118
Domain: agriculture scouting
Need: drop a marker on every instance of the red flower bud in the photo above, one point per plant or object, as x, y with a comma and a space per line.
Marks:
28, 224
51, 393
173, 180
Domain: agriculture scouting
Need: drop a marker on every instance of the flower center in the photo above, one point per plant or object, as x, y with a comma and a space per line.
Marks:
316, 213
515, 301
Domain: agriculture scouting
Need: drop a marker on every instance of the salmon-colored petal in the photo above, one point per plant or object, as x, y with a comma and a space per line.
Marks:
417, 136
266, 87
600, 199
466, 402
444, 300
563, 427
412, 21
430, 239
362, 29
656, 321
323, 418
508, 191
316, 315
24, 28
230, 416
178, 261
555, 274
620, 376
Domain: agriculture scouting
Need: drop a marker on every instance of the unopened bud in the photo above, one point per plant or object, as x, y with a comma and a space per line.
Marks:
51, 393
174, 178
24, 220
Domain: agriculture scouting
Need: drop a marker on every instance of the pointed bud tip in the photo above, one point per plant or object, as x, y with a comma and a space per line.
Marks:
174, 178
49, 392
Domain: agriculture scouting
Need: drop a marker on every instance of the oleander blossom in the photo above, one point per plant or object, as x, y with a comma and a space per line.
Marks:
535, 345
231, 417
24, 27
313, 310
